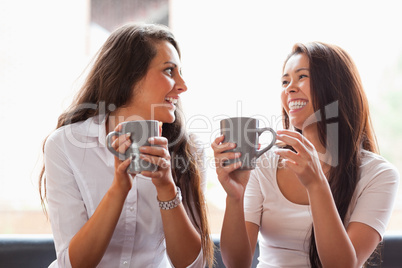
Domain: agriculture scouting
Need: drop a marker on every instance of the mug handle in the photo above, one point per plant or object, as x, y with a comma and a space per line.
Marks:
260, 131
110, 147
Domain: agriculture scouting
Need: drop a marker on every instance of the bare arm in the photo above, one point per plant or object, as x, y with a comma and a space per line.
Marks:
252, 231
89, 244
235, 244
183, 242
336, 246
238, 238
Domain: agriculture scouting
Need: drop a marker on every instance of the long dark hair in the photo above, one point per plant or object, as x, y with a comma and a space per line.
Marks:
335, 82
122, 62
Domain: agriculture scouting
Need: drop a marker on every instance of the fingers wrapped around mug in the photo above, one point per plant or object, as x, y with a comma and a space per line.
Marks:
295, 139
158, 155
121, 143
304, 161
121, 177
121, 166
298, 142
221, 155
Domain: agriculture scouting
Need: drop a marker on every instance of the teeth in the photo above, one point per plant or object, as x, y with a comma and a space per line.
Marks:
171, 100
293, 105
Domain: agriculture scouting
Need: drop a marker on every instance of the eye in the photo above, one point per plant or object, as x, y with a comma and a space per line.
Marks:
169, 71
284, 83
302, 76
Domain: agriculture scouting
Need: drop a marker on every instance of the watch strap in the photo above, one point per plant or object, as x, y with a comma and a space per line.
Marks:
165, 205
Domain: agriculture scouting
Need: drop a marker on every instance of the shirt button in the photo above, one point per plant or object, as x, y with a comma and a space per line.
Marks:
131, 208
125, 262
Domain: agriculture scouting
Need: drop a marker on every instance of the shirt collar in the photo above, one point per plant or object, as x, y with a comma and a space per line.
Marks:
102, 129
94, 127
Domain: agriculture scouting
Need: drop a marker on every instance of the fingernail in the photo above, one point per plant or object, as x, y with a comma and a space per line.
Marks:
128, 134
237, 154
143, 149
151, 139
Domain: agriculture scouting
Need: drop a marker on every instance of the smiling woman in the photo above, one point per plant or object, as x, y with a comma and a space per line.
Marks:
232, 56
157, 93
296, 97
94, 203
327, 200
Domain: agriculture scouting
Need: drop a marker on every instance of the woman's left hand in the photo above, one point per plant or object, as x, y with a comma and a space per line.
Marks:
158, 155
305, 162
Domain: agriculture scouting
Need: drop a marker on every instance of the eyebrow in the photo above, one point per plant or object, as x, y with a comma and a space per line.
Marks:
298, 70
169, 62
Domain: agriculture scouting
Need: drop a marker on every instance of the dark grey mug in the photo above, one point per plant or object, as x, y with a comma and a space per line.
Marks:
245, 132
140, 131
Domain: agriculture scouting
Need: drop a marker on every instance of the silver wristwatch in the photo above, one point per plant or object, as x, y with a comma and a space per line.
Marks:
172, 203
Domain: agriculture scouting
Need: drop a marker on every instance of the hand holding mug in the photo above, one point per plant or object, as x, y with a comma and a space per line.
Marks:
139, 133
232, 179
121, 177
158, 154
146, 152
245, 133
304, 161
236, 152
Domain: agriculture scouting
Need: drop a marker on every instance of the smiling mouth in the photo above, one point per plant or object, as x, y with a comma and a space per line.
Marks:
171, 100
298, 104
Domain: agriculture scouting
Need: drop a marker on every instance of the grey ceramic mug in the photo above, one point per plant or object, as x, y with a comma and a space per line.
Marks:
245, 132
140, 131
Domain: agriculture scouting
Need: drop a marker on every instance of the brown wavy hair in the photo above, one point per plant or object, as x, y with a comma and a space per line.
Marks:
121, 63
335, 80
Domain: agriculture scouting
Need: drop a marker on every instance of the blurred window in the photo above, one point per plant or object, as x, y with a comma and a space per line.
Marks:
232, 53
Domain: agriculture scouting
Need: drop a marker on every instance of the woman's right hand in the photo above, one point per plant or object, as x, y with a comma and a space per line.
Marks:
122, 180
89, 244
233, 181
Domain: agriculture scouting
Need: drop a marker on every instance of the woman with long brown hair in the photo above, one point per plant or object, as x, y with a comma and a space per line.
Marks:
101, 216
325, 198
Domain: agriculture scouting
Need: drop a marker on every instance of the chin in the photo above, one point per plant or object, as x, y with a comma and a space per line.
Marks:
166, 119
170, 121
296, 124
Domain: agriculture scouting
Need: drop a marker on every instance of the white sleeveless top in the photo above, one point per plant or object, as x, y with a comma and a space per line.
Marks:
285, 227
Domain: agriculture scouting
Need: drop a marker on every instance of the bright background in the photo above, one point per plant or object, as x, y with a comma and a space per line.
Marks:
232, 54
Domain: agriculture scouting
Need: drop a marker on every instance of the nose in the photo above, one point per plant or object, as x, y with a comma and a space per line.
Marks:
291, 88
181, 84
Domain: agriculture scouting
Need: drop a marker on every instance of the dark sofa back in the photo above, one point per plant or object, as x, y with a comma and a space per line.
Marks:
37, 251
17, 251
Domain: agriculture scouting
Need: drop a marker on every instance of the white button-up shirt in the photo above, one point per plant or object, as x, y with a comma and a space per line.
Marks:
79, 171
